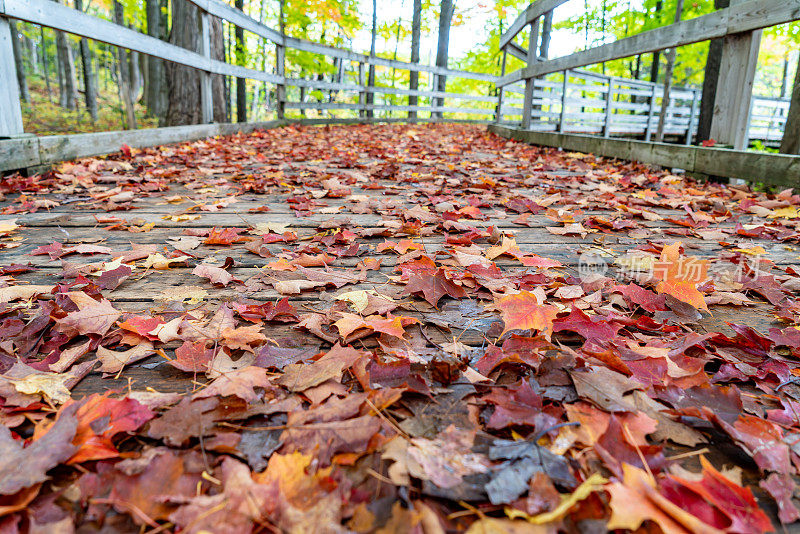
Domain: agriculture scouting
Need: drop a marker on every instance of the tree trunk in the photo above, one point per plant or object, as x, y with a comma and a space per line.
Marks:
62, 94
24, 93
69, 86
662, 118
32, 51
241, 60
45, 65
445, 17
156, 96
136, 81
791, 134
713, 63
371, 76
547, 29
416, 34
123, 74
89, 85
396, 46
656, 55
785, 77
226, 80
183, 83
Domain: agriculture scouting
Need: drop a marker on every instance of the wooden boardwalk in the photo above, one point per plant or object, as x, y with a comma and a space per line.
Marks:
345, 206
204, 185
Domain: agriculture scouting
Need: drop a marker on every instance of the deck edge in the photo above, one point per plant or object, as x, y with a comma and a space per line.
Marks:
771, 169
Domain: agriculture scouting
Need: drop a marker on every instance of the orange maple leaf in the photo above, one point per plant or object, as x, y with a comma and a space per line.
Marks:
679, 276
391, 325
522, 311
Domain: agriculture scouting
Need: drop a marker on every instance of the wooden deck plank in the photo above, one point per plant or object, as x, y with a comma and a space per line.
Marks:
568, 179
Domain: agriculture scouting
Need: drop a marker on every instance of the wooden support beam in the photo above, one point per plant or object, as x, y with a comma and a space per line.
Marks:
516, 50
498, 115
748, 16
280, 89
776, 169
10, 112
563, 115
66, 19
527, 103
731, 118
609, 108
651, 113
206, 98
531, 13
692, 116
362, 95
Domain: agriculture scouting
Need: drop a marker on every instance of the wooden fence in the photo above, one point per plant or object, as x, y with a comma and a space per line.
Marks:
349, 86
559, 101
617, 105
592, 103
548, 96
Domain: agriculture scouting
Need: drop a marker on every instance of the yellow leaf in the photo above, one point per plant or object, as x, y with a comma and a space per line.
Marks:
160, 262
7, 294
359, 299
590, 485
193, 294
753, 251
788, 212
637, 261
270, 228
180, 218
8, 226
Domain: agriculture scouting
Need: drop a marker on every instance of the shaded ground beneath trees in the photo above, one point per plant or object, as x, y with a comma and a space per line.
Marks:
407, 328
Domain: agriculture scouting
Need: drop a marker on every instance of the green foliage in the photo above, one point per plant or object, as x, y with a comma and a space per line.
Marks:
43, 116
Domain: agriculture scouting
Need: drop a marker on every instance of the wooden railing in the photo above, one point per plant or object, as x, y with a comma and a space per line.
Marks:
591, 103
612, 106
559, 98
546, 95
350, 86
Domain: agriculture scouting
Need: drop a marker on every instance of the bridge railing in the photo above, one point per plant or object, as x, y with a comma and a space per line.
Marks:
559, 97
348, 94
631, 109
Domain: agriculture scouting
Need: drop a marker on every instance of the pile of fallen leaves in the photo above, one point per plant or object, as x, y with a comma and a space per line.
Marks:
394, 329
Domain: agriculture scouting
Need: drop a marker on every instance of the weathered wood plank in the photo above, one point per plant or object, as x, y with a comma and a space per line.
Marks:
10, 114
733, 99
532, 12
60, 17
57, 148
778, 169
748, 16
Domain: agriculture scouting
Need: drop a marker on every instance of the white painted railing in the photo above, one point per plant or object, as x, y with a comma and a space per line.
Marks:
553, 95
350, 84
571, 101
631, 108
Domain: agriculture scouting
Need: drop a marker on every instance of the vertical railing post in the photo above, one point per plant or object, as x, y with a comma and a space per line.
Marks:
10, 111
731, 118
563, 115
527, 103
362, 95
609, 105
651, 113
692, 116
498, 114
206, 100
434, 100
280, 89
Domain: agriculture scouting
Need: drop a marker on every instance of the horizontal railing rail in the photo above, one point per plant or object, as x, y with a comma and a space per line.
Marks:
559, 96
739, 18
351, 88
